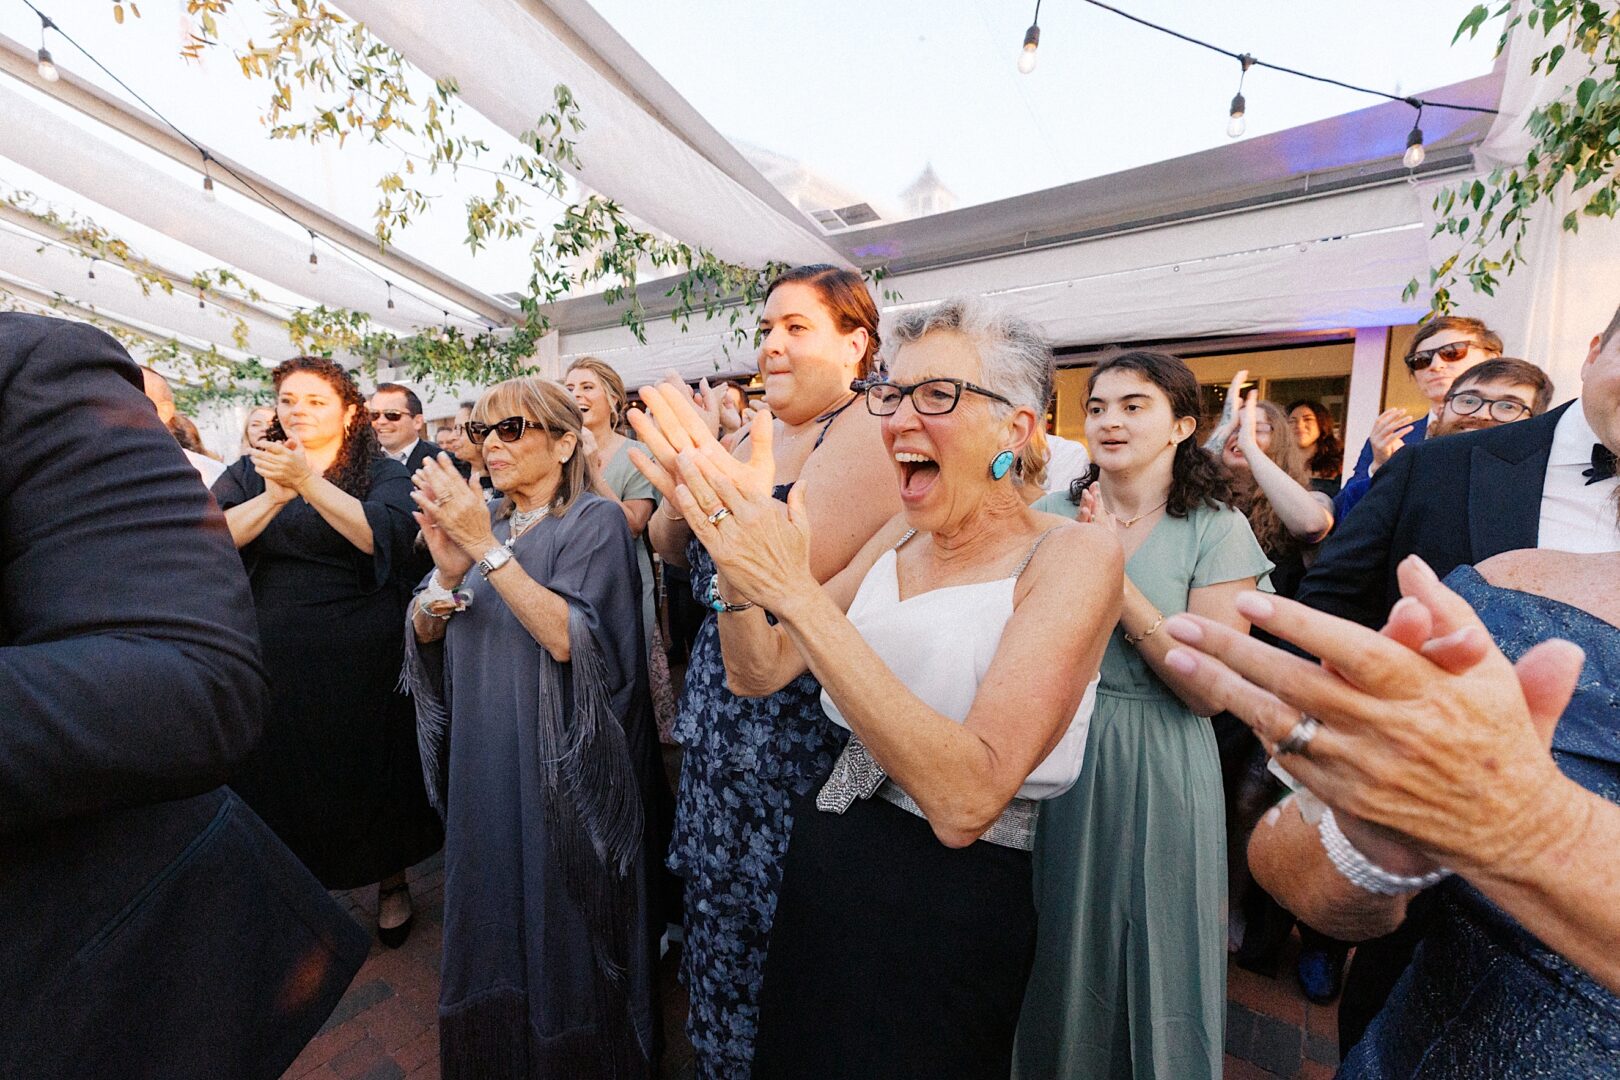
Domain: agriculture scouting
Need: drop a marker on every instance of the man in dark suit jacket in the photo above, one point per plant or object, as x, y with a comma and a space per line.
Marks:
150, 924
1458, 500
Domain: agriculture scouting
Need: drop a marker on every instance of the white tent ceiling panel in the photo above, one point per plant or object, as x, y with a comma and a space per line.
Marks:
626, 152
106, 174
55, 270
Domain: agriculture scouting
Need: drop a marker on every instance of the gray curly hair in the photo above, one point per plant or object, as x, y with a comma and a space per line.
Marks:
1014, 359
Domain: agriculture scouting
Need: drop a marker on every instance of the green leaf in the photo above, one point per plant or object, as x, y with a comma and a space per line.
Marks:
1471, 22
1584, 92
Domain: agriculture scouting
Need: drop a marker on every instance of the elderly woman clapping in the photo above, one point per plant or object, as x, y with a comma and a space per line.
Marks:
958, 647
1430, 749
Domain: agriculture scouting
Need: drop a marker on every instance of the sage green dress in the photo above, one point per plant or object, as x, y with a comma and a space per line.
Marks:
625, 480
1130, 864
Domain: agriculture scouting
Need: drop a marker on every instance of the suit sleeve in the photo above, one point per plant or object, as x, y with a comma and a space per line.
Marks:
1352, 571
129, 669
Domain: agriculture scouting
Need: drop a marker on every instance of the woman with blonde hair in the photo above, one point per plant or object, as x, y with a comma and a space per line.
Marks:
537, 745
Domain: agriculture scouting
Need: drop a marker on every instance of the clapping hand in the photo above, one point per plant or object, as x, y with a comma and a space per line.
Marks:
1433, 746
284, 467
452, 515
670, 425
1248, 441
1389, 434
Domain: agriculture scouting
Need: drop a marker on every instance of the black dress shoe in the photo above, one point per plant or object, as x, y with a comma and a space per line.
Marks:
394, 936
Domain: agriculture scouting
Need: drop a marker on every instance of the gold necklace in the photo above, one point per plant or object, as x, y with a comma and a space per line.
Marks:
1126, 523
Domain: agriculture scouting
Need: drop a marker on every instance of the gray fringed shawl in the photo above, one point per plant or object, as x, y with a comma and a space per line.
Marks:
578, 754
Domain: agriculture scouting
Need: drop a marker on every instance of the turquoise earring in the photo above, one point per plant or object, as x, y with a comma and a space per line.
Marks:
1001, 464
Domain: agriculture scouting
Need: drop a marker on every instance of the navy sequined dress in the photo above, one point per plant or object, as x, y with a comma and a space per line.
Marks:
744, 761
1483, 997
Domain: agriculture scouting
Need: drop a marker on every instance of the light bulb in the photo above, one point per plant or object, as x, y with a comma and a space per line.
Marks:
1414, 149
1237, 124
47, 67
314, 264
208, 188
1032, 42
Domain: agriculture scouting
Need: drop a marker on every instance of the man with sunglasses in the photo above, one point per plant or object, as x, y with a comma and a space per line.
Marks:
1441, 350
1497, 392
396, 417
1544, 482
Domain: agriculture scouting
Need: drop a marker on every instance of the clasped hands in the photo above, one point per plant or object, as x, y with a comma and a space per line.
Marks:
453, 517
1433, 747
284, 468
760, 546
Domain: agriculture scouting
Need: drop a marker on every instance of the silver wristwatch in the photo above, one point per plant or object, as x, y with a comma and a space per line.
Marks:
495, 558
1361, 871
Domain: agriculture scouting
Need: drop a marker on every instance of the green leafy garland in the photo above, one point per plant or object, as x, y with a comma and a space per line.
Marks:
1577, 139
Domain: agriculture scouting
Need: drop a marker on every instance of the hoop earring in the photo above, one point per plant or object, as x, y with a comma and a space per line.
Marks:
1001, 464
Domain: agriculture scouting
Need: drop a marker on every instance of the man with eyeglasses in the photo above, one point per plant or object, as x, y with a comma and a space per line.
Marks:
1496, 392
396, 417
1441, 350
1543, 482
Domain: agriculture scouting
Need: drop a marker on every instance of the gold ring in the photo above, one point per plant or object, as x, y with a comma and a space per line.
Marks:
719, 515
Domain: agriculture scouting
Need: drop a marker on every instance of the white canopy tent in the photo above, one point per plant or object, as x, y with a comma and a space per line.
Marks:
1311, 224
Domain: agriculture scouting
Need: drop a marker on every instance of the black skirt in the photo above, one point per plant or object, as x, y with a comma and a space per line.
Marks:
892, 955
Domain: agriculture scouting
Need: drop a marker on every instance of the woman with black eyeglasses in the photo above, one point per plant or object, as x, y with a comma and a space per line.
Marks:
536, 732
322, 519
1442, 349
957, 648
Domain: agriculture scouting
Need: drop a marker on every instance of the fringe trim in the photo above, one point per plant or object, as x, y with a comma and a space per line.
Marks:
593, 811
491, 1037
418, 678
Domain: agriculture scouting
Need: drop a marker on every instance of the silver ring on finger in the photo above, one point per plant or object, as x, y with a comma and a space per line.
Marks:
719, 515
1298, 740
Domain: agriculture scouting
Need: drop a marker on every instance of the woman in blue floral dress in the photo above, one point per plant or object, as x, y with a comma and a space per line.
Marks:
745, 759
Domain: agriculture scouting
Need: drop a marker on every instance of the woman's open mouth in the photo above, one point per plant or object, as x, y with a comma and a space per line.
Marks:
917, 474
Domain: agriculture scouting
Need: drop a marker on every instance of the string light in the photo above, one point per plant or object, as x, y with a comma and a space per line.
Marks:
208, 180
314, 260
1236, 125
47, 67
1032, 42
91, 273
1414, 140
1237, 121
390, 285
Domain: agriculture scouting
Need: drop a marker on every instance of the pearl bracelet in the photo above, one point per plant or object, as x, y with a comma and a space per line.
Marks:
1361, 871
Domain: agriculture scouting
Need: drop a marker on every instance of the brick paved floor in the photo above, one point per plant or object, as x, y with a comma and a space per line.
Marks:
385, 1028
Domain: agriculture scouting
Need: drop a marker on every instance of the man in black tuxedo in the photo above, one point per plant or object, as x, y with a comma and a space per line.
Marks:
1544, 482
150, 924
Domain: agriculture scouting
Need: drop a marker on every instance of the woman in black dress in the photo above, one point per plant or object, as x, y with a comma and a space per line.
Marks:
323, 521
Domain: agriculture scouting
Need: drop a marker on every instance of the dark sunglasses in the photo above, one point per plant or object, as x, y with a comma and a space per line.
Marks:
931, 397
510, 430
1450, 353
1502, 410
394, 416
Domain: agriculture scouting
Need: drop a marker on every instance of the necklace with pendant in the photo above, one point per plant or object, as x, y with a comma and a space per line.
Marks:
1126, 523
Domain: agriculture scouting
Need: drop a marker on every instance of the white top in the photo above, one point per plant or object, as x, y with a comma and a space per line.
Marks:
1576, 516
1066, 460
209, 469
940, 644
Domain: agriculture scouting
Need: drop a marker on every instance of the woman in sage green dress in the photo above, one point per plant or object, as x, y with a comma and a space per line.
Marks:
1130, 863
599, 392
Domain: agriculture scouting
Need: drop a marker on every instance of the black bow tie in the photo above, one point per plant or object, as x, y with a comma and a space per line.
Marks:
1602, 464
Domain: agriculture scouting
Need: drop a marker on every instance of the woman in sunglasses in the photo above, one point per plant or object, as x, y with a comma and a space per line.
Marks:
530, 682
323, 521
1442, 349
744, 759
958, 647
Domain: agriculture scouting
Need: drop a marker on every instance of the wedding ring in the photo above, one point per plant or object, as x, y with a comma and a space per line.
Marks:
441, 500
1298, 740
719, 515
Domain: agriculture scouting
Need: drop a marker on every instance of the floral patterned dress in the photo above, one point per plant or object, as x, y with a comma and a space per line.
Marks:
745, 761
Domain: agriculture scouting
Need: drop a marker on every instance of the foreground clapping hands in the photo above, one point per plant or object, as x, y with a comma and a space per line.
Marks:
452, 515
760, 546
1430, 738
283, 467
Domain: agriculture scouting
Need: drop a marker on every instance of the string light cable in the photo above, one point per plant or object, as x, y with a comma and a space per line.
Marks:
1236, 124
46, 22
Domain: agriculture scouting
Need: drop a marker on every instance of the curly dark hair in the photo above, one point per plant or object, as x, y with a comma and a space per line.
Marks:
1327, 456
351, 470
1195, 476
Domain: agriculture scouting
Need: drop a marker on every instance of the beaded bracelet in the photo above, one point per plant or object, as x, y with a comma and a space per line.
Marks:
718, 605
1361, 871
1144, 635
